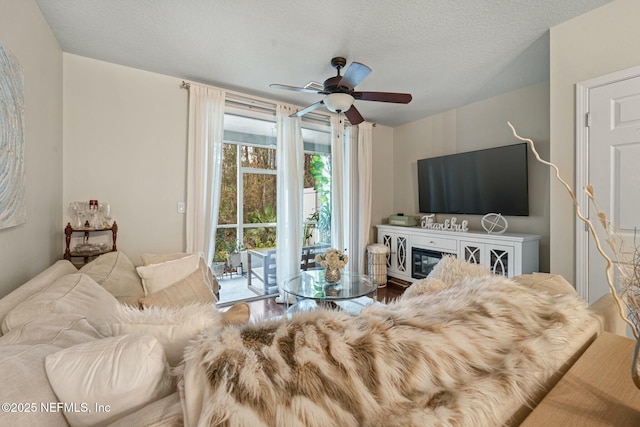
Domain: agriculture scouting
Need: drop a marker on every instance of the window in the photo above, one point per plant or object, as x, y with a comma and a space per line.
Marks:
247, 213
248, 200
317, 184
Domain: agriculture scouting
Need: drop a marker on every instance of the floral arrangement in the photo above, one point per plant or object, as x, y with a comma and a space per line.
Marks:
332, 259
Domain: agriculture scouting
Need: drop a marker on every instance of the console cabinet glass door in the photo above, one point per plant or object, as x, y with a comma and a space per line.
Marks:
398, 257
496, 258
500, 260
473, 253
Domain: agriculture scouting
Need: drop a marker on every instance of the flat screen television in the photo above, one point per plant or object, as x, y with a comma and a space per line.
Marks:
493, 180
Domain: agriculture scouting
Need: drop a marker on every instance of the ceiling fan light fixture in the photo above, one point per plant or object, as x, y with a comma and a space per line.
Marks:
338, 102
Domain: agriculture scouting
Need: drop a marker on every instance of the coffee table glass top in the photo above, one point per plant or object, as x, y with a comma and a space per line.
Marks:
312, 285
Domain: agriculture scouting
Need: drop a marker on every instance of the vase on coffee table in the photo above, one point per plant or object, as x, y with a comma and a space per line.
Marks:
332, 275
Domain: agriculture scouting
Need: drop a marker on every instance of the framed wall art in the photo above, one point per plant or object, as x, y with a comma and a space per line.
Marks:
13, 210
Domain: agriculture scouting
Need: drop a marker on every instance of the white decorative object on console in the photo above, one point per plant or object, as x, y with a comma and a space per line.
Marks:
428, 221
510, 254
494, 223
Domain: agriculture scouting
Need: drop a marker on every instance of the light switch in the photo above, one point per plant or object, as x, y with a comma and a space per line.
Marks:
181, 207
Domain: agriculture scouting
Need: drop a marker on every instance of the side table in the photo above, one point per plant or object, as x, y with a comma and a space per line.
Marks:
91, 251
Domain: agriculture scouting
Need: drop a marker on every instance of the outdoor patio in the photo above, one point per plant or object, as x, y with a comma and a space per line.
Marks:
233, 288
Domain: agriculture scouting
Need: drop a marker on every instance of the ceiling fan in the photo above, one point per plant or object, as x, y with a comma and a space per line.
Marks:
340, 94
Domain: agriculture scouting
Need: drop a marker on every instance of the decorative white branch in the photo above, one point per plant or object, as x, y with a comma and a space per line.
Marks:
592, 231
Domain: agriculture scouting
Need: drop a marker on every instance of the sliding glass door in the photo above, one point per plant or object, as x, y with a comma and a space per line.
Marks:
248, 209
247, 217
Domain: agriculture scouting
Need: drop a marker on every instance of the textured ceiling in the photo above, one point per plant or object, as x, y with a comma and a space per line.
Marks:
446, 53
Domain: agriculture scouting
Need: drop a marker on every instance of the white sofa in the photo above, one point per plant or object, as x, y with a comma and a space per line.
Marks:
72, 353
76, 349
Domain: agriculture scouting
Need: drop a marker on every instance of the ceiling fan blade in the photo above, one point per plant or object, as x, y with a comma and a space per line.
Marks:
354, 75
354, 116
308, 109
398, 98
293, 88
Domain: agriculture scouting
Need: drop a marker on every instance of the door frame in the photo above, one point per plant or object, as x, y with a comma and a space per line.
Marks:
582, 169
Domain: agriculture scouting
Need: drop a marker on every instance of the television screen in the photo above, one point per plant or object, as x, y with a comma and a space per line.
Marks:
476, 182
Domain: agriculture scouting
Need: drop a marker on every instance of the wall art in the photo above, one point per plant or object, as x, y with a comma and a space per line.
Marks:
13, 209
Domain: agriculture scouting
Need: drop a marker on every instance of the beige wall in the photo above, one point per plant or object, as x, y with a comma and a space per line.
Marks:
475, 126
383, 177
125, 143
28, 249
600, 42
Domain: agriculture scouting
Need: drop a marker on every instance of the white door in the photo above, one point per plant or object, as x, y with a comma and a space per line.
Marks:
613, 170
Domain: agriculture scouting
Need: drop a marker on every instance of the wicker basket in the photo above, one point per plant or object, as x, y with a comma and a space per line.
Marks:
377, 263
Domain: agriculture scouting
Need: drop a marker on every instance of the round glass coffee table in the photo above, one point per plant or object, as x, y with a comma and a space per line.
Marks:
351, 293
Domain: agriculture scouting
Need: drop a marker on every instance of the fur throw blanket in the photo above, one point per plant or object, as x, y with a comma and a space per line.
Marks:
449, 358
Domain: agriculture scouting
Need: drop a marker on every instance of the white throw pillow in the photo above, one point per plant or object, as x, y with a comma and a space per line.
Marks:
74, 293
193, 289
173, 327
148, 259
156, 277
113, 377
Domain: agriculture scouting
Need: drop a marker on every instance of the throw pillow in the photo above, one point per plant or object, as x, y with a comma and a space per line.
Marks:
156, 277
175, 327
74, 293
117, 274
148, 259
237, 314
113, 377
451, 270
193, 289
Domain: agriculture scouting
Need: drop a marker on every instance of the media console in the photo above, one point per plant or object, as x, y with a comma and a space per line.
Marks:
413, 251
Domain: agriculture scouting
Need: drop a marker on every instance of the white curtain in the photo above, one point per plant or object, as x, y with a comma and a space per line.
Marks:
365, 176
351, 190
358, 178
206, 130
290, 166
352, 213
338, 214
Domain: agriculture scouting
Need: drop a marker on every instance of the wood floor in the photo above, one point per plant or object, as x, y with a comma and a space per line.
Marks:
267, 308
